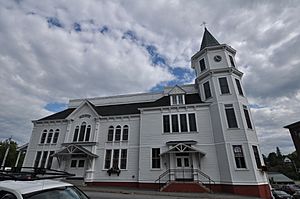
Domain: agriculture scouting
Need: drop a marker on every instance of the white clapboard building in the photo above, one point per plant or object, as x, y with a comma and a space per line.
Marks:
185, 136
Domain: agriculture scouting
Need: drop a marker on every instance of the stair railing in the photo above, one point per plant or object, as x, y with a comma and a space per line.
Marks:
165, 177
208, 179
161, 178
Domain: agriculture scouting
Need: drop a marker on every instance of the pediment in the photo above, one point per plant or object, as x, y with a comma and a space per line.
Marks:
176, 90
84, 110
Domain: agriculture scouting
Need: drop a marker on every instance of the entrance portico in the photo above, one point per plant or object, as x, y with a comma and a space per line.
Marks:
75, 159
182, 160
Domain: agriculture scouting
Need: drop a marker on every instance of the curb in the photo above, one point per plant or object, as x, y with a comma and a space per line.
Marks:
172, 194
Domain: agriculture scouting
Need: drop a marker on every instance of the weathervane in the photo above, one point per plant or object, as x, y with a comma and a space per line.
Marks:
203, 24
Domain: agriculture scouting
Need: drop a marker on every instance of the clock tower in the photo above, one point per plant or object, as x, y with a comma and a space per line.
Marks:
219, 83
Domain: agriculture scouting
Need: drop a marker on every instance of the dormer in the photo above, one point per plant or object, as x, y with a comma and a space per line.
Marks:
212, 55
177, 95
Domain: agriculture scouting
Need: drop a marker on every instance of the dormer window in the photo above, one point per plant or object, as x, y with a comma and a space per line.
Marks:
177, 99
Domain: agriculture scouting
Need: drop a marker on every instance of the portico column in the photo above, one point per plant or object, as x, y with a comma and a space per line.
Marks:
195, 166
172, 166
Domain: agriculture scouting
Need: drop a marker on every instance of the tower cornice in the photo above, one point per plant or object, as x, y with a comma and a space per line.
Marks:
231, 70
218, 47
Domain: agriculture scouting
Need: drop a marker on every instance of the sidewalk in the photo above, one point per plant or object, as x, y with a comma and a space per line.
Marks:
131, 190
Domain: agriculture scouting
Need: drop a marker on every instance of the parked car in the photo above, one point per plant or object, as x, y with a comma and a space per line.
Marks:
36, 183
37, 189
278, 194
296, 195
290, 188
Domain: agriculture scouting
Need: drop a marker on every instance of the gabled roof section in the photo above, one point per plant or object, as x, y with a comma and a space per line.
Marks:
58, 116
208, 40
183, 148
124, 109
74, 149
85, 102
176, 90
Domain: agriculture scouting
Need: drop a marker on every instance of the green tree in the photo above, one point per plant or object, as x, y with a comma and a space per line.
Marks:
12, 155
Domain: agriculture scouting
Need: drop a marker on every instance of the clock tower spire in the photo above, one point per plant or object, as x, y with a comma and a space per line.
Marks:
219, 84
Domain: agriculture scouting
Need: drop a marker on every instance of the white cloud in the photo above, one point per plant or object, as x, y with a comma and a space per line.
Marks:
40, 65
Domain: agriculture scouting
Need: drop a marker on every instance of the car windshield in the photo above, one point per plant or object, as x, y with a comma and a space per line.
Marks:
282, 193
57, 193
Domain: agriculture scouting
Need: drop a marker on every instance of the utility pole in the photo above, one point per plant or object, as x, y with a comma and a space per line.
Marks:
6, 153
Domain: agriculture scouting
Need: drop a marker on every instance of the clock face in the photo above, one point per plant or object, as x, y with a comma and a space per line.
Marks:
217, 58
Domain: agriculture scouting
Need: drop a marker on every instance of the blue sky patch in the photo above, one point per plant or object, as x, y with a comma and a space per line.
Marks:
77, 27
103, 29
256, 106
183, 76
130, 35
156, 58
55, 106
54, 22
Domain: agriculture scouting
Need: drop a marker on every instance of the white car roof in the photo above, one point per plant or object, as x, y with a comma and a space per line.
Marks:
24, 187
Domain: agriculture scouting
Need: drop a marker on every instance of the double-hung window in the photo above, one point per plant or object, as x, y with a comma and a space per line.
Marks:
175, 124
239, 87
177, 99
118, 133
231, 61
202, 65
43, 138
116, 158
155, 158
166, 123
230, 115
49, 138
55, 138
247, 116
37, 159
207, 91
239, 157
182, 122
256, 155
224, 85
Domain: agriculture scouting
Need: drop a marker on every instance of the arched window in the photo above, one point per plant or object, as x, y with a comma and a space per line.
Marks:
43, 138
55, 138
118, 133
110, 135
50, 134
76, 134
88, 132
125, 133
82, 131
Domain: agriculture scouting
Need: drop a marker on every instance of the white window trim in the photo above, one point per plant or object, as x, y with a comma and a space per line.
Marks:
155, 169
220, 91
179, 124
237, 121
244, 107
114, 133
177, 99
111, 159
233, 158
85, 132
206, 98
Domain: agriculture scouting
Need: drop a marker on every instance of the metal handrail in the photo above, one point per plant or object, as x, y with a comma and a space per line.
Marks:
161, 183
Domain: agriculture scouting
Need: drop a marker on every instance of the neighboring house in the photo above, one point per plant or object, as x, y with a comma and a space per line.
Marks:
190, 132
279, 178
294, 129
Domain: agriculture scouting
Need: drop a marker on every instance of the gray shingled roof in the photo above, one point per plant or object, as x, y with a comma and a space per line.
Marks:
208, 40
125, 109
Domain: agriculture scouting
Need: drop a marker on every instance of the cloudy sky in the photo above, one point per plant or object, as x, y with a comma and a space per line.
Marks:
53, 51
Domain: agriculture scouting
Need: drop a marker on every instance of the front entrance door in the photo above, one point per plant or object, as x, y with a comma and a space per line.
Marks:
183, 167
